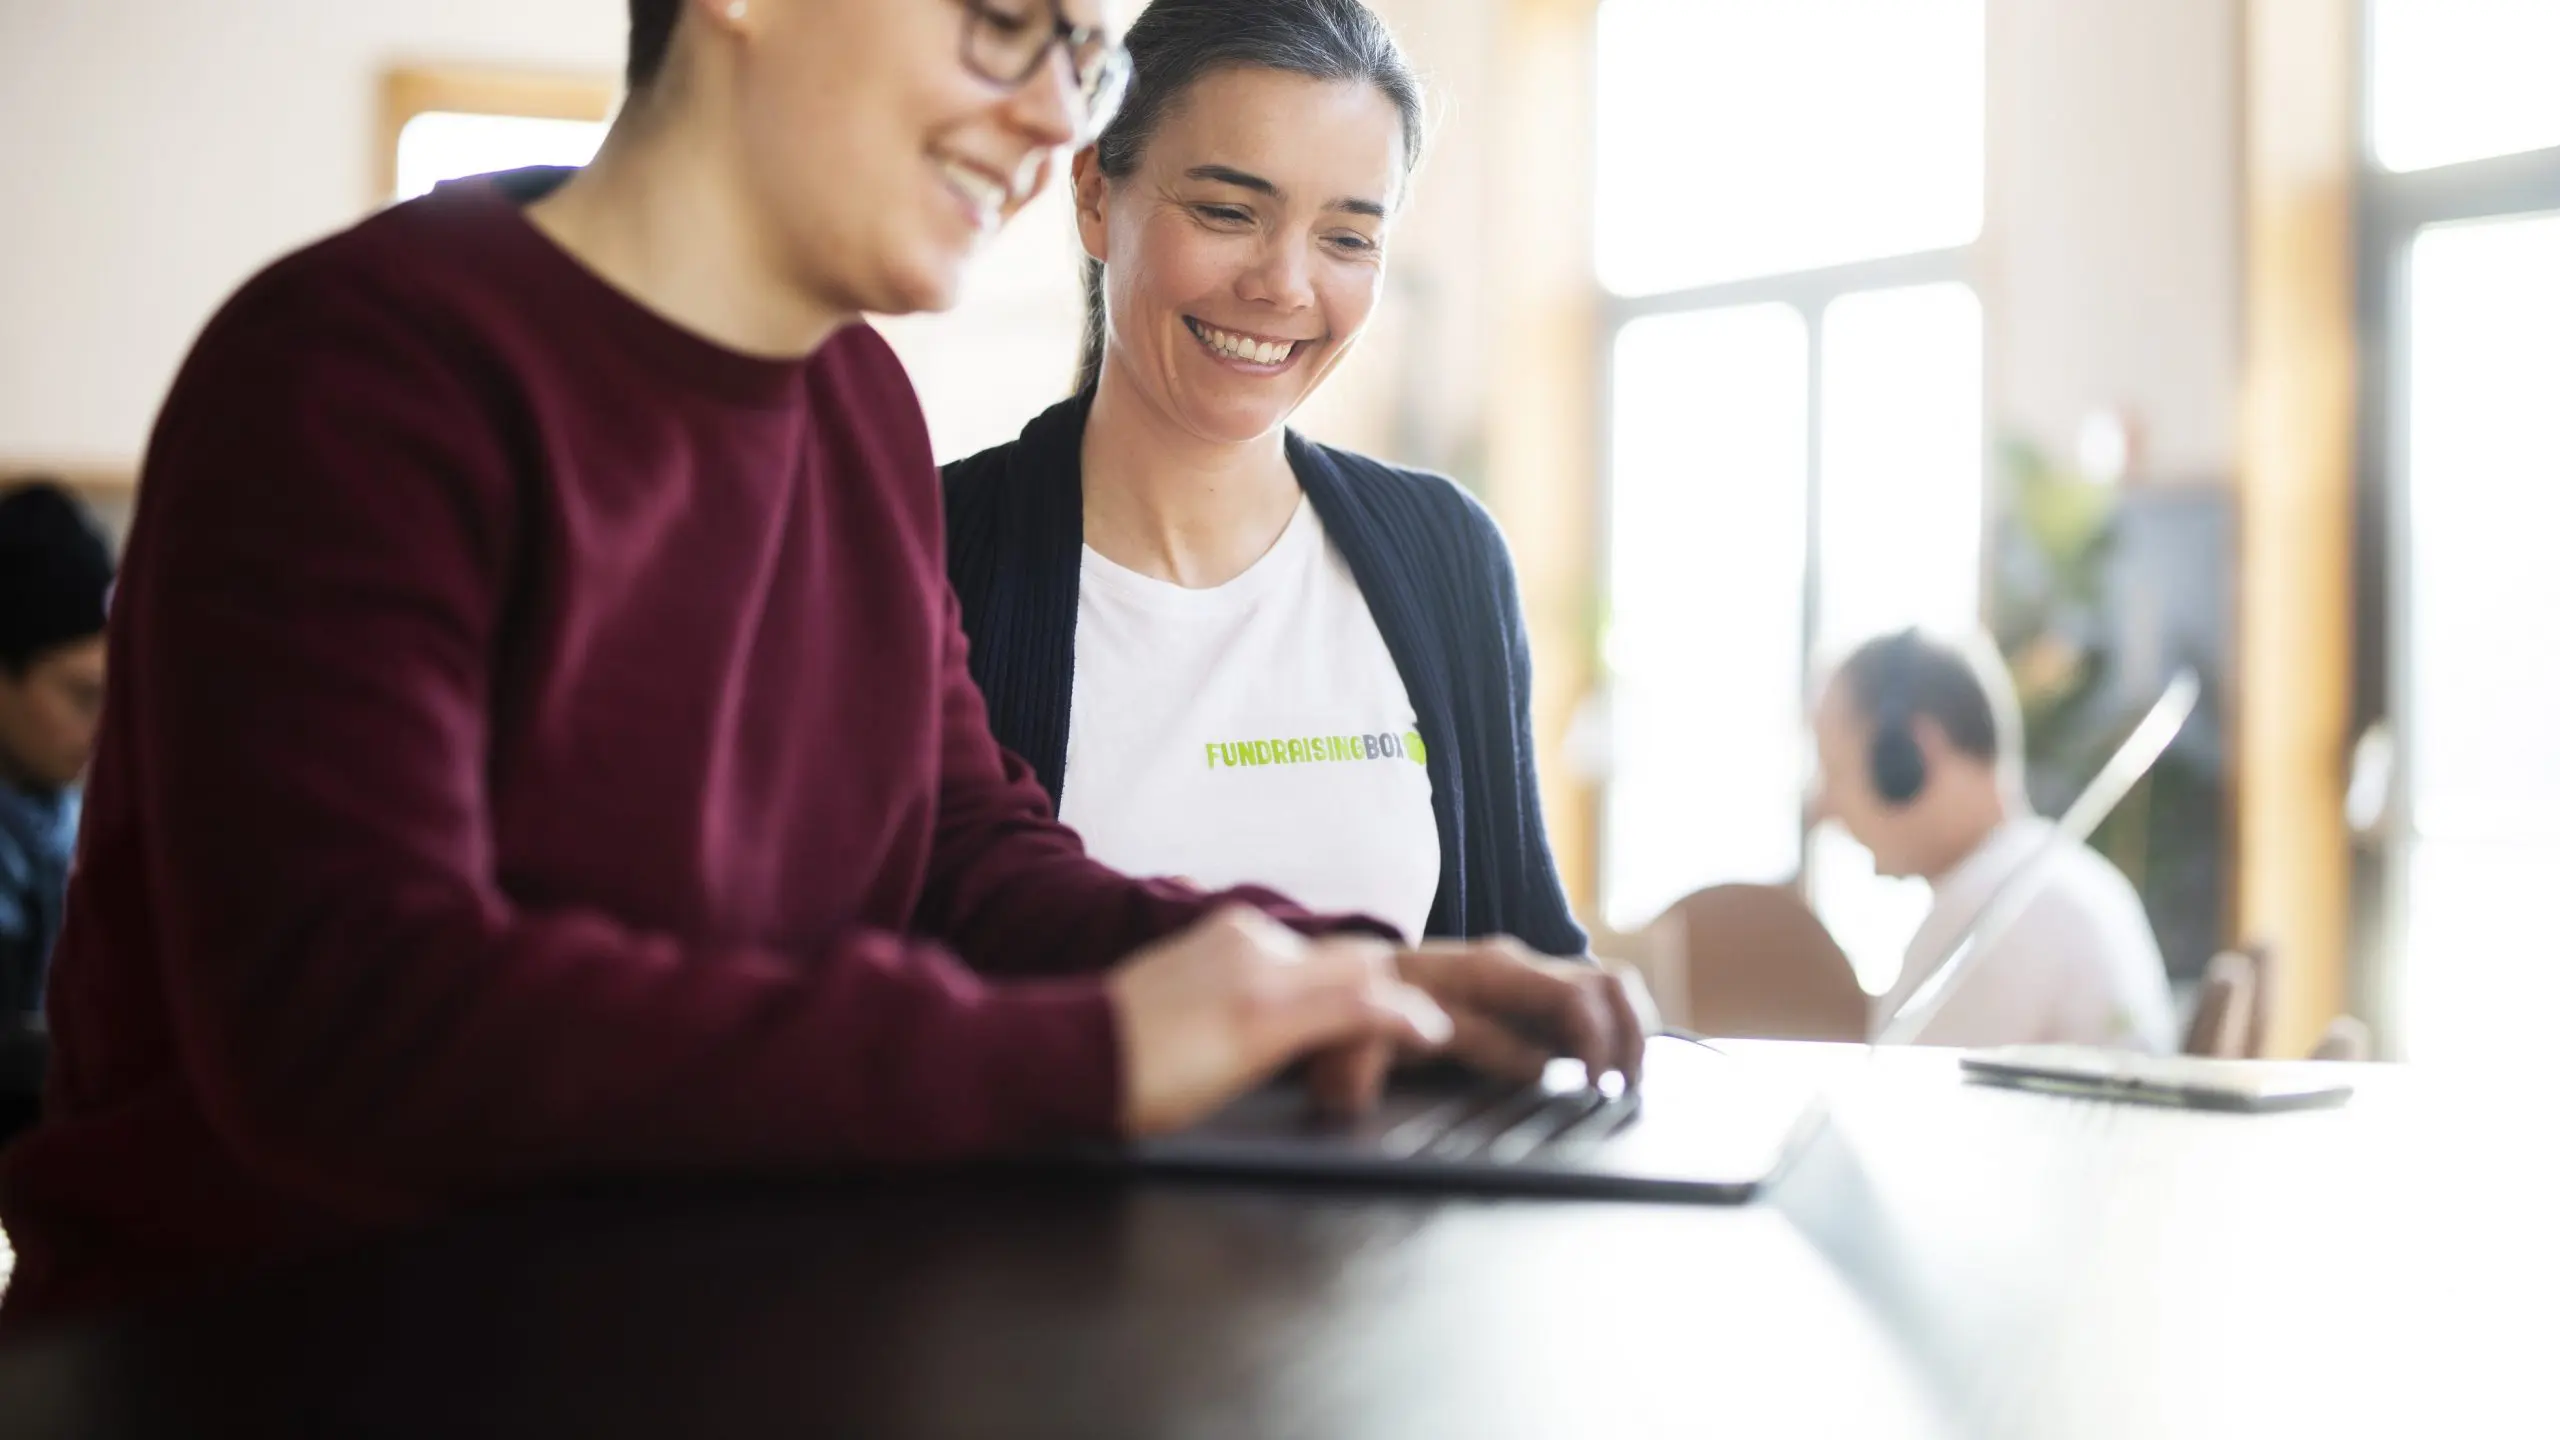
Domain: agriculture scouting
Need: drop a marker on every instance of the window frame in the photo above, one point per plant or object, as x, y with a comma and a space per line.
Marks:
1810, 294
2391, 209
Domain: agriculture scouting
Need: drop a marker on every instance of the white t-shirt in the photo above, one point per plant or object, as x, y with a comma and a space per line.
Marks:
1255, 733
2078, 965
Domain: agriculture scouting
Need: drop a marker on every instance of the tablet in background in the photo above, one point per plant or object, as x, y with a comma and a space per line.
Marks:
2188, 1081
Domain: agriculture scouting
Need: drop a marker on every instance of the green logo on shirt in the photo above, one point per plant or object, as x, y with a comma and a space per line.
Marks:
1316, 750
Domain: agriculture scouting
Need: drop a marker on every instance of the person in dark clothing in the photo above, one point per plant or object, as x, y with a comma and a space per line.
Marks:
1228, 652
55, 571
541, 741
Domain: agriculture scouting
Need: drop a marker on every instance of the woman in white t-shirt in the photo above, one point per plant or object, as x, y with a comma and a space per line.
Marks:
1231, 654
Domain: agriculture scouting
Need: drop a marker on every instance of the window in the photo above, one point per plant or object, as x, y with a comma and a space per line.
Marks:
440, 145
2483, 692
443, 124
2456, 80
1741, 138
1787, 194
2462, 249
1709, 406
1901, 513
1899, 532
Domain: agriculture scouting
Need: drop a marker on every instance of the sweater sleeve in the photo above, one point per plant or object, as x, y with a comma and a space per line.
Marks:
306, 633
1013, 890
1547, 922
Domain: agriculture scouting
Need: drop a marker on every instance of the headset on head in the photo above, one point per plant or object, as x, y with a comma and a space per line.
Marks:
1894, 762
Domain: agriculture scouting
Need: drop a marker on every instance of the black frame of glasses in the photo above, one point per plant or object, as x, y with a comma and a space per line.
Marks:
1108, 53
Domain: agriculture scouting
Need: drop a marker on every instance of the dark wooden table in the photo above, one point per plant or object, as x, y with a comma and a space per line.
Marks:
1946, 1260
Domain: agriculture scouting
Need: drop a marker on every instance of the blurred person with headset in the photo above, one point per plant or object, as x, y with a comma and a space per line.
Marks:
1922, 761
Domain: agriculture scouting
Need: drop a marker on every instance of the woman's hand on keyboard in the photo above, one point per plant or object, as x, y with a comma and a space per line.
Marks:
1511, 1010
1224, 1005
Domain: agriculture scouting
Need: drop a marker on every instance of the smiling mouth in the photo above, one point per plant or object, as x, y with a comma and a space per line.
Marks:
1273, 355
990, 198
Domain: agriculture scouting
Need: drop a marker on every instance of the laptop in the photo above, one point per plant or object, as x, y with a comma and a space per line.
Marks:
1706, 1125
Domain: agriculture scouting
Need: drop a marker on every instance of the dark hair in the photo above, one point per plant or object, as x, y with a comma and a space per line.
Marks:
55, 570
653, 31
1906, 675
1177, 44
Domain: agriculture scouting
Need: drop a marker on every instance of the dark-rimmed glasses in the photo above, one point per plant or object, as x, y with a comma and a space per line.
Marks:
1005, 42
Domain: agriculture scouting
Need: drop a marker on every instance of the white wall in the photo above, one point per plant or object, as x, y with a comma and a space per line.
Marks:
158, 152
1415, 389
2111, 250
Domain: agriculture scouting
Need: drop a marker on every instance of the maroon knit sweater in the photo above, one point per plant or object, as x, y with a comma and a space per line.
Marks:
540, 743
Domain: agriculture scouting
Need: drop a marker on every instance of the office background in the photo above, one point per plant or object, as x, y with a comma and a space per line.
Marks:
2145, 332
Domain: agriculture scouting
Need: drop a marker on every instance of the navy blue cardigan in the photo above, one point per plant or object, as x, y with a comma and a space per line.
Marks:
1439, 583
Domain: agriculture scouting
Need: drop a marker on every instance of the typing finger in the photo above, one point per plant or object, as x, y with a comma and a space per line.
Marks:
1344, 990
1490, 1047
1631, 1009
1549, 1000
1346, 1080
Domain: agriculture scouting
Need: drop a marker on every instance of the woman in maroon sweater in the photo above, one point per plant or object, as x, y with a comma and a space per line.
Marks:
540, 740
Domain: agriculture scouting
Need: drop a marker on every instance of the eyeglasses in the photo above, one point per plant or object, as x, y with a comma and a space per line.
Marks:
1007, 41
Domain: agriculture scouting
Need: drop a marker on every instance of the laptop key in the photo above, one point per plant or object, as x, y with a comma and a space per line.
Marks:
1593, 1129
1558, 1116
1466, 1139
1423, 1132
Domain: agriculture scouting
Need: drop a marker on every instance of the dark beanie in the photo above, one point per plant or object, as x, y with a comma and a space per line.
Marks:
55, 569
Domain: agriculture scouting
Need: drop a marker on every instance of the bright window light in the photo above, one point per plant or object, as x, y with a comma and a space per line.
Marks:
1901, 536
441, 145
1901, 462
1741, 139
2480, 987
1872, 916
2484, 681
2458, 80
1705, 638
1756, 137
2484, 502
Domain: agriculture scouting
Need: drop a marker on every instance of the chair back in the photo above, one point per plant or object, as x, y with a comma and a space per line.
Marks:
2347, 1039
2226, 1009
1752, 962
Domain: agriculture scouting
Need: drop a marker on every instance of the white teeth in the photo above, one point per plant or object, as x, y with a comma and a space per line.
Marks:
1252, 352
985, 193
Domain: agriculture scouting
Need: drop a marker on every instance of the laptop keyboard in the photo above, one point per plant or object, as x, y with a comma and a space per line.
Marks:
1710, 1129
1508, 1127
